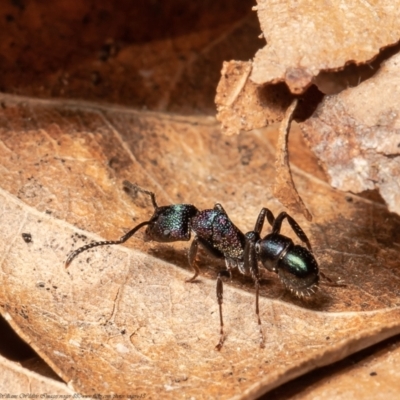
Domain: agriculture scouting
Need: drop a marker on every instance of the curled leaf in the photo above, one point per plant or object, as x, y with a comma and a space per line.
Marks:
284, 188
356, 135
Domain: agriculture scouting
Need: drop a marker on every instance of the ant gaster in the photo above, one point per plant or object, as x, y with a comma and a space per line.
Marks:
214, 231
294, 264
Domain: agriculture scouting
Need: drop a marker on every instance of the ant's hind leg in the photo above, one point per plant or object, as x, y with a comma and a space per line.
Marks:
262, 342
276, 228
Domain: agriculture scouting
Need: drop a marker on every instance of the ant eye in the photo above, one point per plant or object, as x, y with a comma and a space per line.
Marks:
257, 247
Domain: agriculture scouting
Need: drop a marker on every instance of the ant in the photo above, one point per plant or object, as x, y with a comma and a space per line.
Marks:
216, 233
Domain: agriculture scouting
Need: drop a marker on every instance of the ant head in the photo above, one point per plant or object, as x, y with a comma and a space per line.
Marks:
170, 223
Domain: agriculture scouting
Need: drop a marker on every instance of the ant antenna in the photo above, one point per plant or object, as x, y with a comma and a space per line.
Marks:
134, 189
104, 242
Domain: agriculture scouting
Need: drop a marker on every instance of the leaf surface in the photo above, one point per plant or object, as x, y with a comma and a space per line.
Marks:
122, 318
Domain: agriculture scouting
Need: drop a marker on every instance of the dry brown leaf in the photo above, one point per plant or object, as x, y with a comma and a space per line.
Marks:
122, 319
370, 374
243, 105
356, 135
168, 59
304, 38
17, 381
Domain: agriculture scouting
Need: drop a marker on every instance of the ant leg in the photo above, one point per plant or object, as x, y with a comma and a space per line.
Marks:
192, 258
123, 239
257, 285
251, 265
294, 225
220, 290
193, 252
265, 212
132, 189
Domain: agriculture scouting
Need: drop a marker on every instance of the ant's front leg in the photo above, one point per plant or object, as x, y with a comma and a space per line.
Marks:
220, 291
192, 258
198, 240
276, 228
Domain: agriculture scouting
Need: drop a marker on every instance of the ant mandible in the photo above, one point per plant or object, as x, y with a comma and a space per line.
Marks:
214, 231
